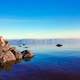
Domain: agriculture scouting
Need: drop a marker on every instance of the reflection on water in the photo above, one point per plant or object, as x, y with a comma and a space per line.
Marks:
9, 65
28, 59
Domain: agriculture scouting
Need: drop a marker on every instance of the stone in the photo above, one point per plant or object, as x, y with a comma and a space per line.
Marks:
59, 45
27, 54
7, 56
8, 53
17, 54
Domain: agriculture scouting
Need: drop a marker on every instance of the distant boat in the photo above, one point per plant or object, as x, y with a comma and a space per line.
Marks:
59, 45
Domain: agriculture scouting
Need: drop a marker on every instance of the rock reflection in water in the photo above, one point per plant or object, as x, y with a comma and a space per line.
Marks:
28, 59
7, 66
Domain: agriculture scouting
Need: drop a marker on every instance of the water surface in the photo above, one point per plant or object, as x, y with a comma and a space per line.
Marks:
45, 65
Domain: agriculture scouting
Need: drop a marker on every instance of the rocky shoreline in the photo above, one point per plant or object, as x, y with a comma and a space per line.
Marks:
8, 53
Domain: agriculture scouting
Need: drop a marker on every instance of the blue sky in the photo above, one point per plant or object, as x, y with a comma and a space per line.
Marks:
40, 18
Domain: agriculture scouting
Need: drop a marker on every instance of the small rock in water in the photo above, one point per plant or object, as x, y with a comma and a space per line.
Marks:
59, 45
27, 54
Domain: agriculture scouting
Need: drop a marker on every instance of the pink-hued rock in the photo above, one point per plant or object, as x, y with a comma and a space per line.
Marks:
17, 54
8, 53
7, 56
6, 47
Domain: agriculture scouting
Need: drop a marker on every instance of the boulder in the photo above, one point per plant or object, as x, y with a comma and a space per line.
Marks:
5, 52
17, 54
8, 53
7, 56
27, 54
6, 47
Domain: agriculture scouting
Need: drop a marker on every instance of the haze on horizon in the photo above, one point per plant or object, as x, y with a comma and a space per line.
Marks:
40, 19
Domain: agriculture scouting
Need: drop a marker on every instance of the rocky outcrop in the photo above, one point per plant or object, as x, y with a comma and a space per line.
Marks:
6, 56
8, 53
5, 53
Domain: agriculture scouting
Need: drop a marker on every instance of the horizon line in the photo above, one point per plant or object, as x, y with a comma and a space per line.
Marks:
42, 38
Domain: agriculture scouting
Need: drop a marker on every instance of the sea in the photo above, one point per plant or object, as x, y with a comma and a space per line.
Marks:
48, 63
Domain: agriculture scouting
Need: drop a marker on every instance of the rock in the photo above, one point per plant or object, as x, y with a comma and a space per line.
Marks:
17, 54
59, 45
5, 53
27, 54
7, 56
6, 47
8, 53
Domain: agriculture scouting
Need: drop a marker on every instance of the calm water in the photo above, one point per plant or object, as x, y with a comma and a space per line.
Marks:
45, 65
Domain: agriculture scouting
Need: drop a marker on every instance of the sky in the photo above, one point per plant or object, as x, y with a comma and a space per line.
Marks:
40, 18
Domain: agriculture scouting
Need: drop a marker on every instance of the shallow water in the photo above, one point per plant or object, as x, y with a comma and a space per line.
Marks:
45, 65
